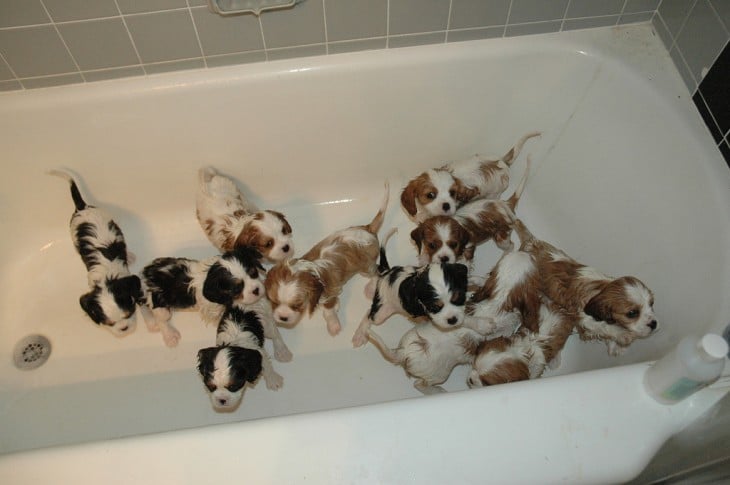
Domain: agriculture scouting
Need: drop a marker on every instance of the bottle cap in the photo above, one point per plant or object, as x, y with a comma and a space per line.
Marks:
715, 346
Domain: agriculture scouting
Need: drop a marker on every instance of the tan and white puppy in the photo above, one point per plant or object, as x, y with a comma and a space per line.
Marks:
442, 190
298, 286
452, 239
429, 354
616, 311
526, 354
231, 221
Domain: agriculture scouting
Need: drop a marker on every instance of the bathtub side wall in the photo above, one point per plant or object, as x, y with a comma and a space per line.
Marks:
53, 42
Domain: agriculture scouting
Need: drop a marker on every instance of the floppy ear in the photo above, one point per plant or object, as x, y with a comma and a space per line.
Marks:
463, 193
245, 363
417, 236
130, 286
408, 198
314, 288
206, 359
599, 308
219, 286
91, 306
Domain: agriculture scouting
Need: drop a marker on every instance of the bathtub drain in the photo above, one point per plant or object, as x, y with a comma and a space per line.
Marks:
31, 352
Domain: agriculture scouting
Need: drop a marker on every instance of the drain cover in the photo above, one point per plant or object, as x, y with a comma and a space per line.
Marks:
31, 352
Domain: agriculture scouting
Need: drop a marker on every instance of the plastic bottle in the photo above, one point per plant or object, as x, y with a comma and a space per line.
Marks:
696, 362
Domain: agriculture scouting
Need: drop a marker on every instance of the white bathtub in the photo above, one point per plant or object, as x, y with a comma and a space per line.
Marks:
625, 178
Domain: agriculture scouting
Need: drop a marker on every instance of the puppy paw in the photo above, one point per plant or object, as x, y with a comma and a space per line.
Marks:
359, 339
333, 327
615, 350
171, 337
131, 258
282, 353
273, 381
152, 326
555, 363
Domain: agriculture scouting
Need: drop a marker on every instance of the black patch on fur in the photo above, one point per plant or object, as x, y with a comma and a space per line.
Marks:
76, 196
246, 321
248, 257
456, 278
168, 282
245, 367
127, 292
394, 274
413, 290
90, 304
85, 233
383, 265
220, 286
206, 359
376, 305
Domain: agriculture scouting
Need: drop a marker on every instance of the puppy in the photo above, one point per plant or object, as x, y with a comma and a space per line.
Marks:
615, 311
299, 286
231, 221
114, 291
239, 355
429, 354
526, 354
442, 190
435, 292
452, 239
209, 286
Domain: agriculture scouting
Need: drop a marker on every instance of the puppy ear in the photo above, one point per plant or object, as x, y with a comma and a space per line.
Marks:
129, 287
463, 193
249, 256
91, 306
315, 288
246, 364
408, 198
206, 359
219, 286
417, 236
599, 308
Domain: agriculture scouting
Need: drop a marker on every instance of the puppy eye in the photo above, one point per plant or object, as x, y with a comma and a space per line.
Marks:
296, 308
432, 245
632, 314
269, 244
253, 273
452, 244
211, 387
458, 298
235, 387
452, 192
431, 195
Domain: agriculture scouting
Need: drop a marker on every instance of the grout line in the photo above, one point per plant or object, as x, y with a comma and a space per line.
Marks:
10, 68
725, 27
621, 14
506, 22
263, 39
131, 39
681, 56
448, 21
197, 35
63, 41
387, 25
565, 15
326, 37
684, 22
712, 115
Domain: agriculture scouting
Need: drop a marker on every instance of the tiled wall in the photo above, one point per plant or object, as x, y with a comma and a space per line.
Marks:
696, 33
51, 42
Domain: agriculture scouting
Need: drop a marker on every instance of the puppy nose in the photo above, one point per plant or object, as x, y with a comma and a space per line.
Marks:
285, 248
452, 320
256, 291
124, 329
222, 401
283, 319
446, 206
653, 325
444, 259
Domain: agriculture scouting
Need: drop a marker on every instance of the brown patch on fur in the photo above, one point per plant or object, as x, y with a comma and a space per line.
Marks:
464, 193
310, 286
428, 240
286, 228
418, 188
252, 236
489, 223
612, 303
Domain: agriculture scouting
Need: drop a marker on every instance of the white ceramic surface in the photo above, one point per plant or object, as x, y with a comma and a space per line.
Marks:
625, 178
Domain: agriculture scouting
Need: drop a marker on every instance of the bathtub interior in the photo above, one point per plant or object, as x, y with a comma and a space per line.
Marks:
624, 178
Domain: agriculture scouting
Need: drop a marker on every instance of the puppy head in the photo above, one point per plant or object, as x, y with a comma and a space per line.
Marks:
225, 371
113, 302
292, 293
440, 239
235, 278
270, 233
441, 290
627, 304
430, 194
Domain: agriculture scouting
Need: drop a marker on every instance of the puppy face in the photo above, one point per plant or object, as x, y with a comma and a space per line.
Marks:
112, 304
442, 292
432, 193
235, 278
225, 372
440, 239
292, 293
626, 303
269, 233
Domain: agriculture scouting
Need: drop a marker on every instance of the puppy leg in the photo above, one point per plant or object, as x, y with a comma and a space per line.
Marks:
482, 325
149, 319
329, 310
426, 388
361, 334
370, 288
555, 363
281, 351
170, 335
273, 380
614, 349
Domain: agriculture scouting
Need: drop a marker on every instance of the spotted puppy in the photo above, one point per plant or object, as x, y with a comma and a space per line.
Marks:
298, 286
616, 311
114, 291
452, 239
239, 356
231, 221
442, 190
209, 286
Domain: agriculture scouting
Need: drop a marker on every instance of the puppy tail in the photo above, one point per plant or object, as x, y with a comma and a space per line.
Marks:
522, 232
79, 201
205, 175
391, 355
514, 152
515, 198
383, 265
377, 221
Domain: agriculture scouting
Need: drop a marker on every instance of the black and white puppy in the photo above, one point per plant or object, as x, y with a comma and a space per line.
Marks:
114, 291
239, 356
435, 292
209, 286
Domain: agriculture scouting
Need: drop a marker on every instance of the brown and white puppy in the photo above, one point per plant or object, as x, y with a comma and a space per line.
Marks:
452, 239
616, 311
231, 221
442, 190
526, 354
298, 286
429, 354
